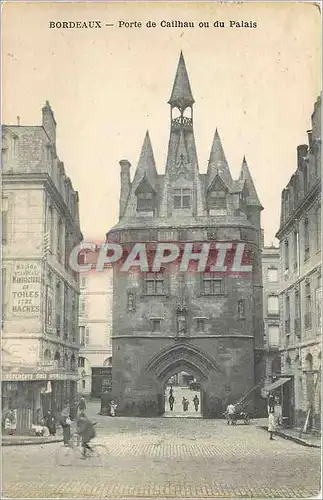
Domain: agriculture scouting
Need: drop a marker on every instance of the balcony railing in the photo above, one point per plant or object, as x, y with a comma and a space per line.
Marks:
308, 320
297, 326
287, 326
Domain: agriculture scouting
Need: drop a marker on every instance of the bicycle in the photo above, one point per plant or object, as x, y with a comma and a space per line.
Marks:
67, 454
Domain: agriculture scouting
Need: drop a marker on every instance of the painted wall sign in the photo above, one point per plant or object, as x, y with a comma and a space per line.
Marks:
26, 289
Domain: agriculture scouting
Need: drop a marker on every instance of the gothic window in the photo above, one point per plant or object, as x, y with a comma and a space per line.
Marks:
217, 200
182, 198
241, 309
145, 202
156, 324
306, 239
81, 362
200, 324
154, 284
212, 284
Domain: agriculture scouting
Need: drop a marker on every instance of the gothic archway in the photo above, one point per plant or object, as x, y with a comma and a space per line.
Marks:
177, 358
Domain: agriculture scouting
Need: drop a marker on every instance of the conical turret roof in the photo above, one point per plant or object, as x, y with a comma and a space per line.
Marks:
245, 174
181, 93
146, 168
218, 164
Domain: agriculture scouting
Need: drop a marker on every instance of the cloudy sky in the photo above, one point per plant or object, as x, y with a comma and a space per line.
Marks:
108, 86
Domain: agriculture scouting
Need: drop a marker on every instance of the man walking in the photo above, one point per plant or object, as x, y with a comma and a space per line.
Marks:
196, 402
171, 400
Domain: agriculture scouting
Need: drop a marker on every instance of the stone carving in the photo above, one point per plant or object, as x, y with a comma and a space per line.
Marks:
181, 321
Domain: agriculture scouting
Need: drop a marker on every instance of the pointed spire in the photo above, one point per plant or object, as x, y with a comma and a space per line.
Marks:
218, 164
146, 167
181, 93
246, 176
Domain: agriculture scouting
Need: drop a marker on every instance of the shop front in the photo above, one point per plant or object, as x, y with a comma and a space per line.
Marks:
101, 380
283, 390
32, 394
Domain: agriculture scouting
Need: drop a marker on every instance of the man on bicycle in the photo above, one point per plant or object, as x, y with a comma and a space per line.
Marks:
85, 428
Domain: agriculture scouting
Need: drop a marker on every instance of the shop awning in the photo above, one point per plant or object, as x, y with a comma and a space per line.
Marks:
278, 383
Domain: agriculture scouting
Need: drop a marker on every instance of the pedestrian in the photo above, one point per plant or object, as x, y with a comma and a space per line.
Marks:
66, 426
11, 422
85, 428
271, 402
271, 424
196, 402
185, 403
113, 407
230, 414
171, 391
50, 423
81, 404
171, 401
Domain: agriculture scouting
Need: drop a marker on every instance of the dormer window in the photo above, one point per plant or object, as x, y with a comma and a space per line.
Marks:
145, 202
217, 202
182, 198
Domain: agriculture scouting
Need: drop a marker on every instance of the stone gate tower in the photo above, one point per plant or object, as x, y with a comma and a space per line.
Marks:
204, 323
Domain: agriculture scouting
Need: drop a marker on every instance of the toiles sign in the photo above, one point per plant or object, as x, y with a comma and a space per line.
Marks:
26, 289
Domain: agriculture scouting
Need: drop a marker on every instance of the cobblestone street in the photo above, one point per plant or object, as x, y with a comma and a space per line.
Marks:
168, 457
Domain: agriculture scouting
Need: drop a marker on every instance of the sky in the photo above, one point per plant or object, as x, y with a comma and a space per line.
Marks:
108, 86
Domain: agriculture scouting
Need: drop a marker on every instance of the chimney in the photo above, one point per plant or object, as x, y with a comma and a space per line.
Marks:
125, 185
301, 154
309, 136
49, 122
18, 120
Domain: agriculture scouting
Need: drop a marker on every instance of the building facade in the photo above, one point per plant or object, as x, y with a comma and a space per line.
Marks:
271, 288
95, 331
208, 324
40, 224
300, 295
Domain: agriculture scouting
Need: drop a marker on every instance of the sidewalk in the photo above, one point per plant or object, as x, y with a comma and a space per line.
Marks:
23, 440
310, 440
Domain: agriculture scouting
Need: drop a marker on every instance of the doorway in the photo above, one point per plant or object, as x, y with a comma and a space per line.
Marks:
186, 401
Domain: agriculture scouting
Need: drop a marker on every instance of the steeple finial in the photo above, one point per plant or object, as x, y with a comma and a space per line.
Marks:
181, 93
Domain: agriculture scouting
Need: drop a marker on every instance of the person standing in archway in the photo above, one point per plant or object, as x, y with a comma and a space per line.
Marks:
196, 402
81, 405
171, 401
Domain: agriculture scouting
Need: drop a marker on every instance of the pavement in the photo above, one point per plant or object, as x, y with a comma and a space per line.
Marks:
167, 458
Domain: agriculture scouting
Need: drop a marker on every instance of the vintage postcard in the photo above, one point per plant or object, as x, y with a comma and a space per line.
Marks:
161, 249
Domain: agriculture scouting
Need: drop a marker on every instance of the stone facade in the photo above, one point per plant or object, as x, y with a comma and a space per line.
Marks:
40, 224
95, 324
207, 324
301, 290
270, 274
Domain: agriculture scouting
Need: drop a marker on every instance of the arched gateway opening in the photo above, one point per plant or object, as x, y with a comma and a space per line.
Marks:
183, 396
187, 358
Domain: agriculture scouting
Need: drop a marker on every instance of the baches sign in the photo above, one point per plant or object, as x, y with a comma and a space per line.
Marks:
26, 289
